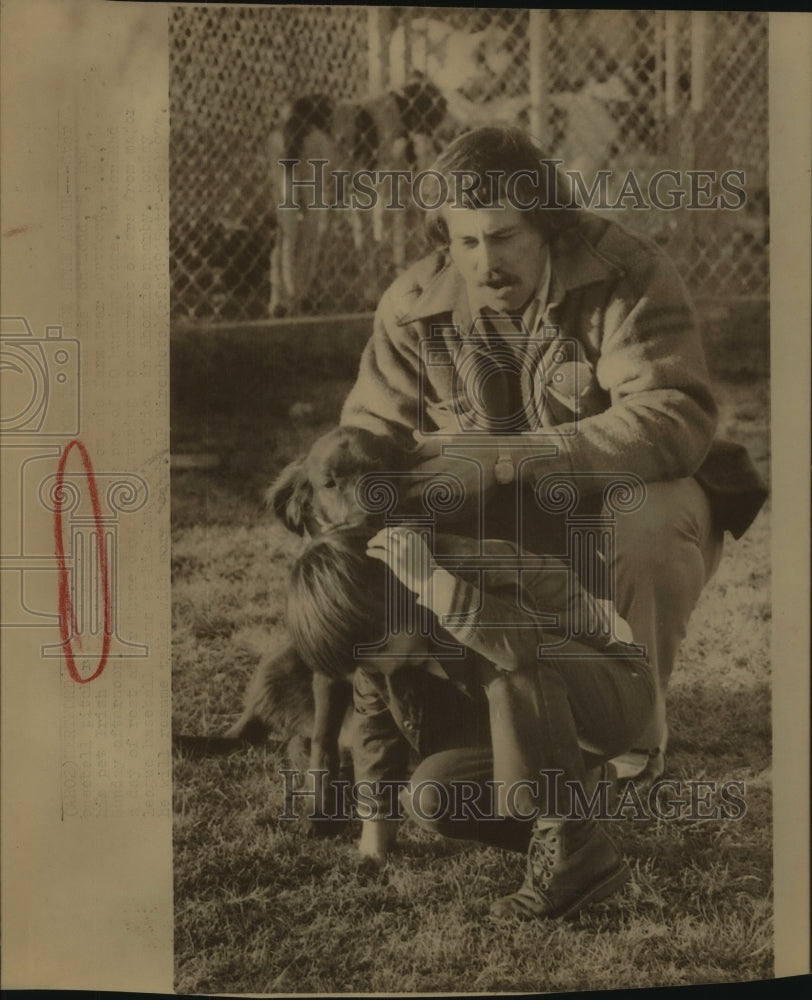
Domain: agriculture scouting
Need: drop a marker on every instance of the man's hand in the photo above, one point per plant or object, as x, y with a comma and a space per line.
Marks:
406, 553
469, 476
431, 445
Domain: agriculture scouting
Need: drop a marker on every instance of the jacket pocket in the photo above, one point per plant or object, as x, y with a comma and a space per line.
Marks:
565, 388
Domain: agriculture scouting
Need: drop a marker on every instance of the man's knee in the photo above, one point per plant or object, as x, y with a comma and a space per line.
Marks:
427, 798
441, 792
671, 526
427, 802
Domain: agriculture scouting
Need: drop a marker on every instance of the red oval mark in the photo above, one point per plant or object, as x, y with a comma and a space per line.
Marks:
67, 615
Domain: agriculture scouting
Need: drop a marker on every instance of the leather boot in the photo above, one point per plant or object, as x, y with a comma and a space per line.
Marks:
643, 767
569, 864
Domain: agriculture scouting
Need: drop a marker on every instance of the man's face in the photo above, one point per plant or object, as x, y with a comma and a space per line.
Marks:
499, 253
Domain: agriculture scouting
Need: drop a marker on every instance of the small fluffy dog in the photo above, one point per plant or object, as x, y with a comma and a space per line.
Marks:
285, 697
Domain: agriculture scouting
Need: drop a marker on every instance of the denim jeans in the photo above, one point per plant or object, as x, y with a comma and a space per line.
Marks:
665, 553
559, 716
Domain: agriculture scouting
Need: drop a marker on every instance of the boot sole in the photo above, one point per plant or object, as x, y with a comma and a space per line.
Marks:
610, 883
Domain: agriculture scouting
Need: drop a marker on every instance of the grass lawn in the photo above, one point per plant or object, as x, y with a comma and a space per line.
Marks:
260, 910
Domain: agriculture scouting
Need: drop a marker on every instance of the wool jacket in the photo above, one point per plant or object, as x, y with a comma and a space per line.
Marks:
615, 379
411, 714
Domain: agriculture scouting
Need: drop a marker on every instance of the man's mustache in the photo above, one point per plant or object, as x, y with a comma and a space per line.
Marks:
497, 279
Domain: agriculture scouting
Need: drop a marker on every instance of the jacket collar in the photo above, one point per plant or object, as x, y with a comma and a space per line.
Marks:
575, 262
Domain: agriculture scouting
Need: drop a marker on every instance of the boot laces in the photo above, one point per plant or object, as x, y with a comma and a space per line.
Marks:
542, 857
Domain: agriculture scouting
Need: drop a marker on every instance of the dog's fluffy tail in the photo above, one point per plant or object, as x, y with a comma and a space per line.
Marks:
209, 746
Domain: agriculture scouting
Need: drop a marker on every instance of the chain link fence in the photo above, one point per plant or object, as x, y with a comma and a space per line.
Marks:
386, 88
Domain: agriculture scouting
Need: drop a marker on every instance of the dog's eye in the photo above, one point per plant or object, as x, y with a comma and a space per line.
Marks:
329, 483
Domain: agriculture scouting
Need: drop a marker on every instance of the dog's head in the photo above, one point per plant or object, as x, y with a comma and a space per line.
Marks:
455, 60
317, 491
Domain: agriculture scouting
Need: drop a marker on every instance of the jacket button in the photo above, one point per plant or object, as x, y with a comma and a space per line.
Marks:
408, 724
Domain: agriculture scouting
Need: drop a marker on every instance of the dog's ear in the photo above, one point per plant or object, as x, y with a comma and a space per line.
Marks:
394, 454
290, 496
375, 451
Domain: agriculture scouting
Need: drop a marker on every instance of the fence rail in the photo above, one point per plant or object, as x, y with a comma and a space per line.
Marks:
616, 91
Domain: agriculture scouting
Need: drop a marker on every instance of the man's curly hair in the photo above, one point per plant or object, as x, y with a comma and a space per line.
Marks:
500, 153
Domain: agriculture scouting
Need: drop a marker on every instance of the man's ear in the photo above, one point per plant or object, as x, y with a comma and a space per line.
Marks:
291, 496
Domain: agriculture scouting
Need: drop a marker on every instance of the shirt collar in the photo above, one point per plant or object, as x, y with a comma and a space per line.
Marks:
536, 306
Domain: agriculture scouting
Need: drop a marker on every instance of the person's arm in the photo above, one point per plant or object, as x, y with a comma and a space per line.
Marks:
507, 626
389, 399
662, 416
384, 399
465, 612
504, 627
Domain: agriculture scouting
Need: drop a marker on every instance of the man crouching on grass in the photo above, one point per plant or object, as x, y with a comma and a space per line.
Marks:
483, 685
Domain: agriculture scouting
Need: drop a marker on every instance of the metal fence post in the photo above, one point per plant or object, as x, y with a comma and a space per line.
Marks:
539, 78
671, 68
676, 138
699, 24
375, 81
376, 85
699, 221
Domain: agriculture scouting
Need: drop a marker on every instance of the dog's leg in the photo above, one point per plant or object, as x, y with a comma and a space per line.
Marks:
279, 195
286, 698
399, 241
289, 224
276, 306
303, 263
332, 700
356, 227
378, 217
